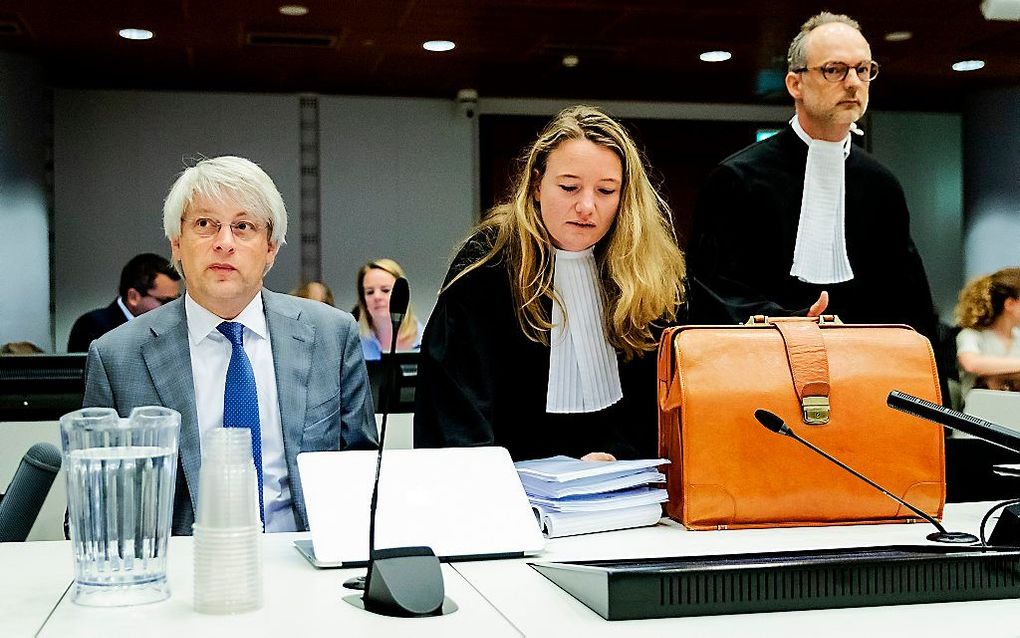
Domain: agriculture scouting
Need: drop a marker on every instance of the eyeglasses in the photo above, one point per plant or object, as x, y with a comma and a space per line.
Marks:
162, 300
837, 71
242, 229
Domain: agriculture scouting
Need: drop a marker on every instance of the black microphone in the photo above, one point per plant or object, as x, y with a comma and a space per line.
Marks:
777, 425
27, 492
401, 581
969, 424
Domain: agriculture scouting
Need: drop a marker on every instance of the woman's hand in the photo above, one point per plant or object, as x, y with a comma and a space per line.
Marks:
598, 456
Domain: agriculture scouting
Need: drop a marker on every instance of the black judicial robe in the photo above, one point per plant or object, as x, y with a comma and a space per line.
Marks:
481, 381
745, 230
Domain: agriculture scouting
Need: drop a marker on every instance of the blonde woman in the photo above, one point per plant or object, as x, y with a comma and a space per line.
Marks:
988, 346
544, 333
375, 283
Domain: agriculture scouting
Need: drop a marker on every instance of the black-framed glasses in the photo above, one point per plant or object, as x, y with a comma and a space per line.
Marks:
161, 300
837, 71
242, 229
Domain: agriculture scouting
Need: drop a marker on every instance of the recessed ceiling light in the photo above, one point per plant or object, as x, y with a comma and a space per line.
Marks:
898, 36
293, 10
715, 56
135, 34
968, 65
438, 45
570, 61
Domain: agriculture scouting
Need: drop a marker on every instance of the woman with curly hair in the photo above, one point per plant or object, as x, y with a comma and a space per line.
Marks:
988, 346
543, 337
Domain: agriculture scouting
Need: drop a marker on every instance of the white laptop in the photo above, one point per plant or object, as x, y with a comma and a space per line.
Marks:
464, 503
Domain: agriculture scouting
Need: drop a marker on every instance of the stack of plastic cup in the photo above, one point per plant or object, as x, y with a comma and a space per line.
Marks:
228, 532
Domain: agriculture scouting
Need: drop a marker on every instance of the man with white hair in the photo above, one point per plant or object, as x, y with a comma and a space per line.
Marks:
231, 353
786, 222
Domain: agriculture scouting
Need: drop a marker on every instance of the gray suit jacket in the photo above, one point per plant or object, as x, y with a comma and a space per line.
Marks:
324, 393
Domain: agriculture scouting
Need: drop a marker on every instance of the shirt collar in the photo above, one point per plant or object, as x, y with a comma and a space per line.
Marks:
124, 309
807, 139
202, 322
574, 254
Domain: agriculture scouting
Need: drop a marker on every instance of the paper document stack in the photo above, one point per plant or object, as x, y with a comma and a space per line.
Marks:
570, 496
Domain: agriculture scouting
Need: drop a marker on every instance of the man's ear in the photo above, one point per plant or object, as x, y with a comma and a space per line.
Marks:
132, 300
793, 85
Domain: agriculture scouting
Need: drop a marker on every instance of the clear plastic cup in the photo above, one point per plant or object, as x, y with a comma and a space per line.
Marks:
228, 532
120, 490
227, 482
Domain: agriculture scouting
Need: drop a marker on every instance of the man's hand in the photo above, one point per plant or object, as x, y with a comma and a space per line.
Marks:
598, 456
819, 306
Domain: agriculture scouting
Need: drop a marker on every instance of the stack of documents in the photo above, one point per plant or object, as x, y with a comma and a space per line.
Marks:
580, 497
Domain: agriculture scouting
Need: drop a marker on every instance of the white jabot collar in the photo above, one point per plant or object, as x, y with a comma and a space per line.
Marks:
820, 256
584, 374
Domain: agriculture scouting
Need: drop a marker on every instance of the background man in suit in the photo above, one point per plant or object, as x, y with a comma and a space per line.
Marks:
147, 282
231, 353
805, 214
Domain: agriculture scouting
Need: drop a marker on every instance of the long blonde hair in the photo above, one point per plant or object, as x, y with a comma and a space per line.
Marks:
982, 299
641, 268
409, 326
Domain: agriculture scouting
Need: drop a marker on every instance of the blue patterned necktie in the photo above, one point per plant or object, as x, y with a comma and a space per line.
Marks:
241, 399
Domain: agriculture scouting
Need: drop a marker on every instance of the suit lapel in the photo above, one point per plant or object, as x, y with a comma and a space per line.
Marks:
167, 356
292, 341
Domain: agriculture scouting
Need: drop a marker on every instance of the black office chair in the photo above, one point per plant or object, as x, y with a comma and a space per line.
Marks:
20, 505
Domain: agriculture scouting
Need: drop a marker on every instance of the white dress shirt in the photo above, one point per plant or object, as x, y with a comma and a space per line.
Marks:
584, 374
124, 309
210, 356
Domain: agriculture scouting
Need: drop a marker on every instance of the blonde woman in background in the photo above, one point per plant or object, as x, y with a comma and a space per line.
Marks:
375, 283
544, 335
988, 346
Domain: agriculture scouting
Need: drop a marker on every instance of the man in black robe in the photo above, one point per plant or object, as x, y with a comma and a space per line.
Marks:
777, 234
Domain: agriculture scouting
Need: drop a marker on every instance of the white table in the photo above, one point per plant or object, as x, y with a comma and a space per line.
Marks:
496, 598
299, 600
538, 607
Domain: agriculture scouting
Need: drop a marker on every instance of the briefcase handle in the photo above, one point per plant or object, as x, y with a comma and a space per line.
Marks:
809, 362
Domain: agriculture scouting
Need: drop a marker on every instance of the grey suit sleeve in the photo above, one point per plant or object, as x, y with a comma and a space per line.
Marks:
357, 414
98, 393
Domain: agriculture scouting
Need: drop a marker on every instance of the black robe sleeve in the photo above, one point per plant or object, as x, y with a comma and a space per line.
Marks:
457, 372
722, 254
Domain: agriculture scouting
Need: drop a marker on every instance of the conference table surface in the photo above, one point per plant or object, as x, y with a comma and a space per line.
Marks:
497, 598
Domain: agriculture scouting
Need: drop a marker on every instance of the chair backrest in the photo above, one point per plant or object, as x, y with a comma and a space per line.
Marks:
15, 438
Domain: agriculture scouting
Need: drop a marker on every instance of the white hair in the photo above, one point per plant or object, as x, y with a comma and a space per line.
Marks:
229, 178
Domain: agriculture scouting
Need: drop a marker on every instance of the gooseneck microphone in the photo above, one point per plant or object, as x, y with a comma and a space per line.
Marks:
401, 581
777, 425
966, 423
27, 492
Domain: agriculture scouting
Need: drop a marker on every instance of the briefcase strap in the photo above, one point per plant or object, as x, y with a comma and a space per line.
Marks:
669, 393
809, 366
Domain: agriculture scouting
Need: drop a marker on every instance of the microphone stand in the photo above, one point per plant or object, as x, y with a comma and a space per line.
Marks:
401, 581
775, 424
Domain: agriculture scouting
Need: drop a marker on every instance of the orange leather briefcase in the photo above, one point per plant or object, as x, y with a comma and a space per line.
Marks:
829, 382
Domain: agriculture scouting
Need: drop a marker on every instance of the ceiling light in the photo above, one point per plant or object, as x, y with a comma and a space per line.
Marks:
438, 45
135, 34
968, 65
715, 56
293, 10
898, 36
570, 61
